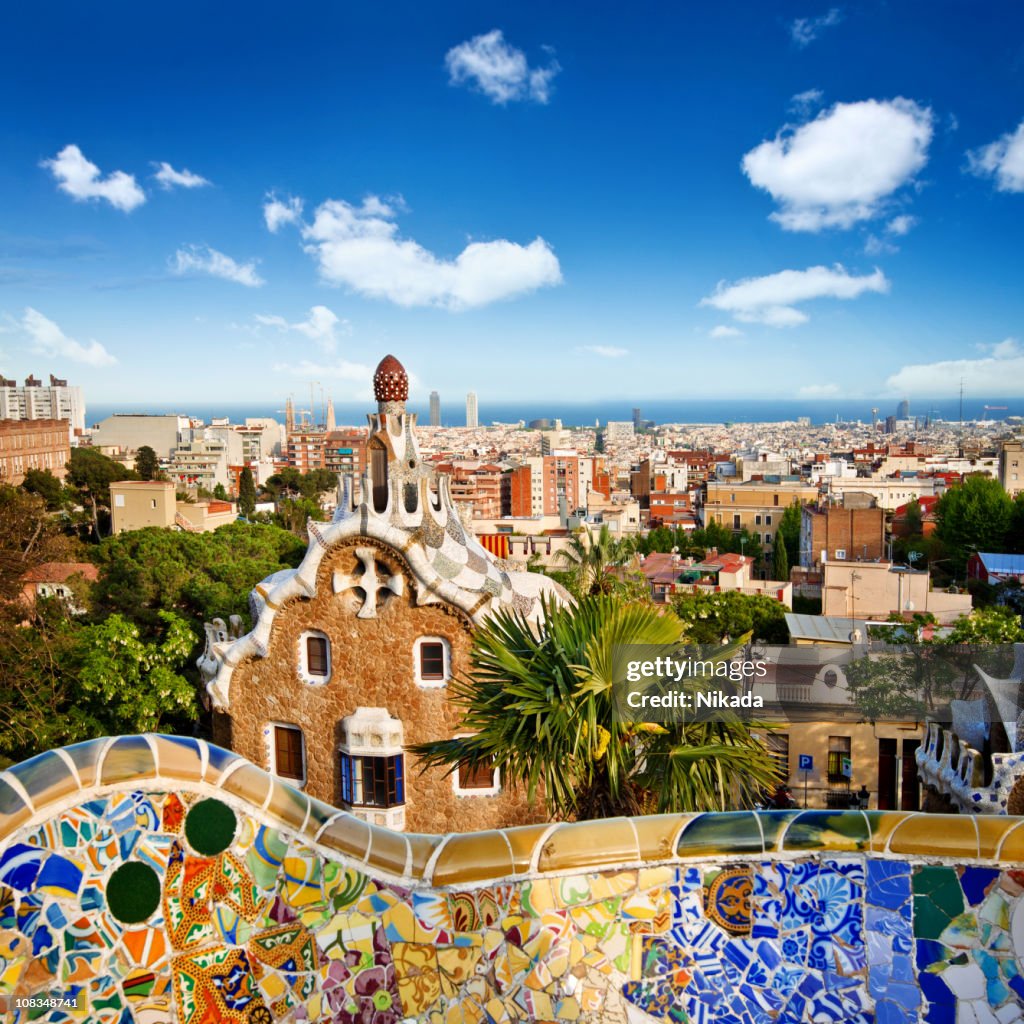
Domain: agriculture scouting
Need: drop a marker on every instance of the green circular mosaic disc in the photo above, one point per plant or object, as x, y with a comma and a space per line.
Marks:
210, 827
133, 892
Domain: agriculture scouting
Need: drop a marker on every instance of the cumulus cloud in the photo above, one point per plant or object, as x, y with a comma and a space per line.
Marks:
805, 30
1002, 160
841, 167
322, 326
359, 246
169, 178
201, 259
772, 300
82, 180
278, 212
724, 331
47, 338
605, 351
993, 374
818, 390
497, 69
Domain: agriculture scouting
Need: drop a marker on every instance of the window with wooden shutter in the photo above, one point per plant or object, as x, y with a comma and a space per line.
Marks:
288, 752
316, 655
432, 660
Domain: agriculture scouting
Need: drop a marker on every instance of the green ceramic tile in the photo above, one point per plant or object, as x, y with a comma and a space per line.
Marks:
828, 830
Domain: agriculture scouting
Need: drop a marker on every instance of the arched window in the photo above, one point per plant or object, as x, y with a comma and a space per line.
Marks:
314, 657
432, 660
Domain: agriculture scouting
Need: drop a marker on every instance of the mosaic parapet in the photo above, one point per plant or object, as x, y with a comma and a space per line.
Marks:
161, 880
30, 791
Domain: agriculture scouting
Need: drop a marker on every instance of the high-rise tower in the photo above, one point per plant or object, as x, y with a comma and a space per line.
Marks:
471, 410
435, 409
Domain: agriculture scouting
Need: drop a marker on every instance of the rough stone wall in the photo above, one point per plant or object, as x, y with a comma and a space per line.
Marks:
372, 665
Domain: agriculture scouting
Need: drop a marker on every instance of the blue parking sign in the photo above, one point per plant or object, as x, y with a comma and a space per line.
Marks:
806, 763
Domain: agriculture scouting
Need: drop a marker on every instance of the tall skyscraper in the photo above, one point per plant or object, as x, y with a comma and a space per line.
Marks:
903, 410
636, 419
435, 409
37, 401
471, 412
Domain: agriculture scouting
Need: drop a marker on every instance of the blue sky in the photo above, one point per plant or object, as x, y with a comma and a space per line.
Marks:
528, 200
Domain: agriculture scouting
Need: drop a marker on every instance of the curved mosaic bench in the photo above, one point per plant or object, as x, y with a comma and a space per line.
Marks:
152, 879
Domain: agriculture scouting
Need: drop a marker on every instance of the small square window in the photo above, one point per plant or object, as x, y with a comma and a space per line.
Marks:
317, 663
432, 660
288, 752
480, 776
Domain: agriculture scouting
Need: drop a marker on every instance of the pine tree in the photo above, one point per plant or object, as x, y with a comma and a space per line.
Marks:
780, 560
246, 493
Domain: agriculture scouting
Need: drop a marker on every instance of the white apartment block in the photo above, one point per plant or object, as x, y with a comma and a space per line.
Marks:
38, 401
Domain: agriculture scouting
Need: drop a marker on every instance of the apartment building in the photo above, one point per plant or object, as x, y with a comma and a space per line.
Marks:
38, 401
753, 505
834, 532
32, 444
1011, 467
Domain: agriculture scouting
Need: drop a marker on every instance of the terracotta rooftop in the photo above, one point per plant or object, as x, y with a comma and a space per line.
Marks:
58, 572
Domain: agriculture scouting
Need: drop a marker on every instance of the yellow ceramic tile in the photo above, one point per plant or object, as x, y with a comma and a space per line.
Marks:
348, 835
651, 878
472, 857
389, 851
537, 896
1011, 849
539, 977
658, 834
883, 824
542, 1005
992, 829
423, 848
13, 810
568, 1009
936, 835
250, 784
129, 758
589, 844
607, 886
287, 805
524, 841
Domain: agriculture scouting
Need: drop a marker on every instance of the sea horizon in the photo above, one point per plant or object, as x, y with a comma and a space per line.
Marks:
584, 414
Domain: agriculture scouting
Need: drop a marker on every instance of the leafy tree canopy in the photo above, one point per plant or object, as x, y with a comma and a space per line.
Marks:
710, 618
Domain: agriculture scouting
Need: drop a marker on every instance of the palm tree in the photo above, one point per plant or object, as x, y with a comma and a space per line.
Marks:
539, 702
589, 561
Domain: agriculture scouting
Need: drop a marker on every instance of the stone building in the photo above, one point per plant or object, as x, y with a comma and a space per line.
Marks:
32, 444
350, 655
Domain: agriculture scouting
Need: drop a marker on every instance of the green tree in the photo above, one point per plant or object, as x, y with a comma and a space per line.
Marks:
92, 473
710, 618
146, 463
46, 485
974, 516
246, 493
29, 536
196, 575
780, 561
591, 561
136, 683
789, 532
220, 493
913, 520
538, 701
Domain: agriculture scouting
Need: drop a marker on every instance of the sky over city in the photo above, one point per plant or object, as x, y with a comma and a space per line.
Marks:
532, 201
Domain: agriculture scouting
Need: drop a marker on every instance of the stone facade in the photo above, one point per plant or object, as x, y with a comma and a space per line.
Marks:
372, 664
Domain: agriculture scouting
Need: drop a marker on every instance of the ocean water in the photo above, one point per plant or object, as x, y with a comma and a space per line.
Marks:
683, 410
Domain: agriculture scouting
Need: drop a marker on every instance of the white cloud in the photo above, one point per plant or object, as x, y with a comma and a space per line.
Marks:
81, 180
278, 212
169, 177
841, 167
724, 331
1002, 160
804, 102
993, 374
357, 374
201, 259
772, 299
360, 247
875, 246
805, 30
605, 351
499, 70
322, 326
50, 340
901, 225
818, 390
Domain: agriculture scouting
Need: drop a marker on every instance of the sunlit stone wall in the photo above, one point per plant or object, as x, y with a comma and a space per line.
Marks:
151, 879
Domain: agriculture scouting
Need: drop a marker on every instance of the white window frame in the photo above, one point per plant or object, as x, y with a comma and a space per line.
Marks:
431, 684
492, 790
310, 678
840, 554
272, 753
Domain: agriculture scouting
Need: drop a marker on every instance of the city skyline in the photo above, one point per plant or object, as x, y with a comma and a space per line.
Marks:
595, 202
